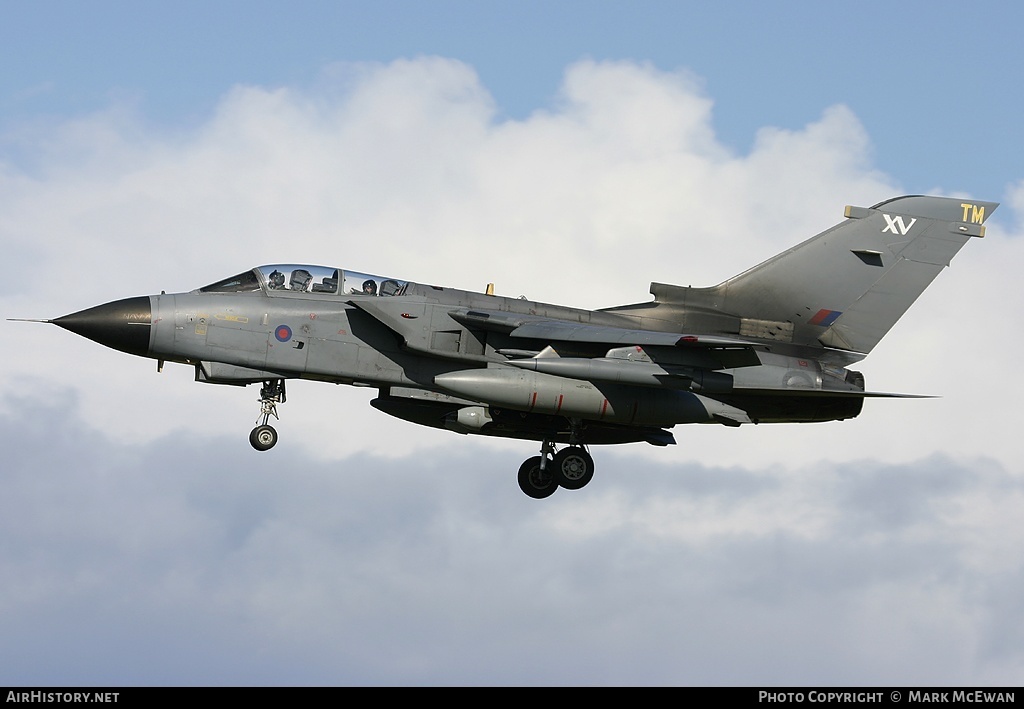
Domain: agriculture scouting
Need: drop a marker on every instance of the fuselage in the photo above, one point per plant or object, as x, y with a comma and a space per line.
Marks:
308, 322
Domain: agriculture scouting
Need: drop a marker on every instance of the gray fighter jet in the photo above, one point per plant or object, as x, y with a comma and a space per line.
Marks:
771, 345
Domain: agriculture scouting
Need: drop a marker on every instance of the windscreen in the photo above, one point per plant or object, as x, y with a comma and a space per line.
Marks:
242, 283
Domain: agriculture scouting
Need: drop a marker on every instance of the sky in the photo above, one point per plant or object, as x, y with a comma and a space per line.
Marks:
571, 152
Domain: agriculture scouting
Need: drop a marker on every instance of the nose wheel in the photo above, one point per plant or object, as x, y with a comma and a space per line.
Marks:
264, 436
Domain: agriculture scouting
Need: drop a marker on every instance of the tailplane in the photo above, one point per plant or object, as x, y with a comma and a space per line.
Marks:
846, 287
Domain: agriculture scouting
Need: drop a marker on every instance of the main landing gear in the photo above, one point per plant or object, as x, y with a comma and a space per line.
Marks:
541, 475
264, 436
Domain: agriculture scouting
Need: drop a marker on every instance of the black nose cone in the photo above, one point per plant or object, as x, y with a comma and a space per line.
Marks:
122, 324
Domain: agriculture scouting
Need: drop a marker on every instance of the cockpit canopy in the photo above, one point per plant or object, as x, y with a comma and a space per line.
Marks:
293, 278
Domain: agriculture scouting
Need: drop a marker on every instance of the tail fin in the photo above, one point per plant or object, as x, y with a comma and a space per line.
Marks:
846, 287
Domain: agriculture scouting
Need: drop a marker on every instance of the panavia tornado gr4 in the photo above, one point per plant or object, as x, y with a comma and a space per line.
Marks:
771, 345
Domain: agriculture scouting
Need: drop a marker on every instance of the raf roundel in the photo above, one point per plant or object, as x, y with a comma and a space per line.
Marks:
283, 333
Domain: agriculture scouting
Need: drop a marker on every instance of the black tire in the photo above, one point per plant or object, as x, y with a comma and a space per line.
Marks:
263, 438
535, 482
573, 468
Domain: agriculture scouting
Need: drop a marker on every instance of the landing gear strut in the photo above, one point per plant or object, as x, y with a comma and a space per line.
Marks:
541, 475
264, 436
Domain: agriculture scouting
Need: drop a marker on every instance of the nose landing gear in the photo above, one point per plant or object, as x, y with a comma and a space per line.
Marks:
264, 436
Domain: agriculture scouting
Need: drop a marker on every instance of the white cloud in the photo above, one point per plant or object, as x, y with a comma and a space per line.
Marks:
167, 563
